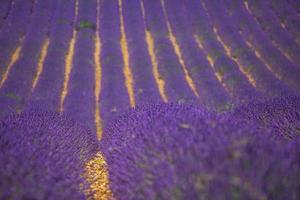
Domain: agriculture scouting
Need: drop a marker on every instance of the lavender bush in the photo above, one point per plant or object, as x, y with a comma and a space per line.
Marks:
221, 67
42, 156
185, 152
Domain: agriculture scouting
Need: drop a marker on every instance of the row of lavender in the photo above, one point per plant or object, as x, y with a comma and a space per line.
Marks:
178, 51
158, 151
174, 151
77, 57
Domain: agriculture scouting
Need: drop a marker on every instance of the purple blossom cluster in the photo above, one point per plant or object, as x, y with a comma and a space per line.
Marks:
158, 151
226, 129
281, 114
42, 156
170, 151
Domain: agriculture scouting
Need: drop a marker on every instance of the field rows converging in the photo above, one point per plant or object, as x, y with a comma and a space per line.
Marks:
117, 99
91, 60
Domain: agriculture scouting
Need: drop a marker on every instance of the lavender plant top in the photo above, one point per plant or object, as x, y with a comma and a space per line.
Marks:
42, 156
281, 114
91, 60
184, 152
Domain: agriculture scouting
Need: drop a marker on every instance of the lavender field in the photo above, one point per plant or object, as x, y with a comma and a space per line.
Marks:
150, 99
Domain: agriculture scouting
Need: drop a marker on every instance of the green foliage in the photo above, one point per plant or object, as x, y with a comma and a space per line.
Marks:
84, 24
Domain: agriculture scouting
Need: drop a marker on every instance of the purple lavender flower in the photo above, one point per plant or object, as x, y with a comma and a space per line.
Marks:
42, 156
282, 114
185, 152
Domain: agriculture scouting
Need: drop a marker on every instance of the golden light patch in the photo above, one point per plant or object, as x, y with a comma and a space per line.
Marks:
211, 62
228, 52
97, 176
14, 58
259, 57
178, 53
158, 79
41, 61
227, 49
150, 46
69, 63
200, 46
286, 55
126, 69
98, 76
282, 51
